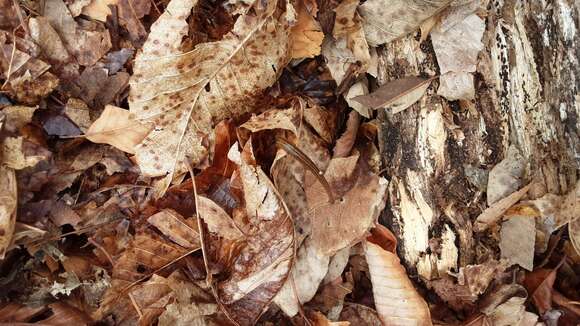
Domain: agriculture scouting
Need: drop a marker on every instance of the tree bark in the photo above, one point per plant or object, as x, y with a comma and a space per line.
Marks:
437, 151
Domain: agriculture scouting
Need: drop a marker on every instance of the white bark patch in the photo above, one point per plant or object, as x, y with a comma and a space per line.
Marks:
566, 21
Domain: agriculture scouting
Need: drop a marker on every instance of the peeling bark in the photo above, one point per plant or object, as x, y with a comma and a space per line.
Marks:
527, 94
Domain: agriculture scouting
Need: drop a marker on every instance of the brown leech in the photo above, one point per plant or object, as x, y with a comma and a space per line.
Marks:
307, 162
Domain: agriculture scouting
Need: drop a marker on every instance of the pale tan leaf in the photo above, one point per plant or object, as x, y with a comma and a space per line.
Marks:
494, 213
217, 220
306, 35
506, 176
185, 94
509, 313
318, 319
396, 300
456, 86
17, 117
337, 265
333, 227
387, 20
19, 154
117, 127
518, 235
288, 119
396, 95
177, 228
99, 9
309, 269
8, 200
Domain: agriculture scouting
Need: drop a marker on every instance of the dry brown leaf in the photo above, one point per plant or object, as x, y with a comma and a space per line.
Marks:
174, 226
517, 241
396, 95
79, 113
85, 45
48, 40
333, 225
385, 21
318, 319
495, 212
306, 35
264, 261
8, 201
358, 314
217, 220
117, 127
99, 9
397, 301
308, 270
339, 59
512, 312
185, 94
478, 277
506, 176
539, 284
345, 143
288, 119
19, 153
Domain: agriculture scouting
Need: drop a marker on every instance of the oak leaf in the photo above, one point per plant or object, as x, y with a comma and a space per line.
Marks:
184, 94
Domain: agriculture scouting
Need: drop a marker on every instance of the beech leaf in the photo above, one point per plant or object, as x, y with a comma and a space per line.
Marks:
396, 300
387, 20
184, 94
396, 95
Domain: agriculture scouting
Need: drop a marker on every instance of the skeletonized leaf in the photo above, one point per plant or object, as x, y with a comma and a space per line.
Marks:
397, 95
518, 235
185, 94
117, 128
387, 20
174, 226
397, 301
8, 199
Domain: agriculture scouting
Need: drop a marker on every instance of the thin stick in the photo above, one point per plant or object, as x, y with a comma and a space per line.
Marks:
11, 59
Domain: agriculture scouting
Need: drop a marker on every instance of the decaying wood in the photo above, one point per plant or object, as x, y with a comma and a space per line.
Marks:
526, 95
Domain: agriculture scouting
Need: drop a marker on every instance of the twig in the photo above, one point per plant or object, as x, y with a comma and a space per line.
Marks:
11, 59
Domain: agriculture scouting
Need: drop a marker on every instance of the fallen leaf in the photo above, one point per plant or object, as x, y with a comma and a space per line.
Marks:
308, 270
288, 119
396, 299
117, 127
174, 226
262, 265
217, 220
345, 143
511, 312
358, 314
517, 241
338, 263
494, 213
319, 319
99, 9
78, 112
8, 201
17, 117
385, 21
19, 153
87, 46
396, 95
306, 34
457, 43
478, 277
506, 176
48, 40
333, 227
182, 93
539, 284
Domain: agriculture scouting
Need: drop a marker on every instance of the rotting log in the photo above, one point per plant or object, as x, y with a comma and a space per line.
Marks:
527, 94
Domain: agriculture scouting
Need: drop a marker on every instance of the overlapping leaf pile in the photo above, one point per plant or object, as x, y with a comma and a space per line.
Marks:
196, 162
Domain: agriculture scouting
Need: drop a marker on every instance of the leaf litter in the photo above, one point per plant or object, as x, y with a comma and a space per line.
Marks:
195, 162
